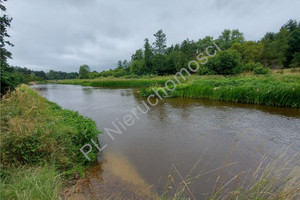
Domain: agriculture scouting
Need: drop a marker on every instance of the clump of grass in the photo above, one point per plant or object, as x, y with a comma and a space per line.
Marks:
34, 131
40, 183
272, 179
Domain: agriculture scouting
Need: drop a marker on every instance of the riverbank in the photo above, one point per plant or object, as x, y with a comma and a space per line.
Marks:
274, 90
40, 144
280, 88
117, 82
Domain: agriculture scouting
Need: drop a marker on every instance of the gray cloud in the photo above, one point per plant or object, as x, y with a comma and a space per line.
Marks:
62, 35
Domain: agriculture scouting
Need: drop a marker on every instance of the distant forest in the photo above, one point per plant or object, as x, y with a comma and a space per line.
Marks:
273, 51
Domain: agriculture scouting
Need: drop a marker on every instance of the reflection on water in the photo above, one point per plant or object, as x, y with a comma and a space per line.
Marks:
114, 178
186, 133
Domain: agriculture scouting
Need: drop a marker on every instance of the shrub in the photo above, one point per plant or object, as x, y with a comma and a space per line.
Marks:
261, 70
226, 62
250, 66
203, 70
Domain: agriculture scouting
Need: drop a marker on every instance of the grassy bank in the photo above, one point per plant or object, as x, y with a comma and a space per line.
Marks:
276, 90
40, 143
116, 82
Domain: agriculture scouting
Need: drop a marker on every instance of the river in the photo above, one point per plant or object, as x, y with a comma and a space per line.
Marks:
176, 139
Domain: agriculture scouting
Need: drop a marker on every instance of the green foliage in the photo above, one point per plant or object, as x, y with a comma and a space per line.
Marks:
138, 67
4, 24
138, 55
148, 55
58, 75
275, 49
160, 66
276, 90
250, 51
84, 72
228, 37
160, 42
132, 80
251, 65
226, 62
261, 70
8, 80
293, 50
176, 60
35, 130
41, 183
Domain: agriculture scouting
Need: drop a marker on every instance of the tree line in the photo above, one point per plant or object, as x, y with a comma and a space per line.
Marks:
273, 51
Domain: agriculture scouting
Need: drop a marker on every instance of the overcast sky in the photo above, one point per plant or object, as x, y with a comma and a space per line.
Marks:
64, 34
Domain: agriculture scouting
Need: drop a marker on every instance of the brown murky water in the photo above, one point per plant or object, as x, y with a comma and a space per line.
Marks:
177, 139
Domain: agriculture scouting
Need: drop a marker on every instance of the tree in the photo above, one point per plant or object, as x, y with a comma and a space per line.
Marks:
137, 67
120, 64
202, 44
290, 26
293, 51
160, 64
176, 60
4, 24
228, 37
275, 49
84, 72
160, 42
148, 55
189, 48
138, 55
8, 78
226, 62
250, 51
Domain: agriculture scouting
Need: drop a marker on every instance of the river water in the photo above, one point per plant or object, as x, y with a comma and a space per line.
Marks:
175, 140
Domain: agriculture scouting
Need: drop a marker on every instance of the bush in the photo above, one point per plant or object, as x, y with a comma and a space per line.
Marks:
132, 76
261, 70
251, 65
226, 62
203, 70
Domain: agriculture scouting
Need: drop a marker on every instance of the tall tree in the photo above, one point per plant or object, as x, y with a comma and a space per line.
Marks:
148, 55
160, 42
275, 49
8, 80
4, 24
84, 72
293, 51
291, 25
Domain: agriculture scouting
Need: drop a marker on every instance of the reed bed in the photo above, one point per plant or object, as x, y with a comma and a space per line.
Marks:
266, 90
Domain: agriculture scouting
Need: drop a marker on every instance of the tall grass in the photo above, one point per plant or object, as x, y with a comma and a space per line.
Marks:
41, 183
267, 90
37, 135
272, 179
117, 83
